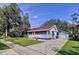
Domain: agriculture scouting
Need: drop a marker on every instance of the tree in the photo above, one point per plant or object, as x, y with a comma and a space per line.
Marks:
26, 23
75, 25
61, 25
11, 20
12, 17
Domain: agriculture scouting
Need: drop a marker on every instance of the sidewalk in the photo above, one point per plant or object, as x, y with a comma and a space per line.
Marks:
8, 52
50, 47
20, 50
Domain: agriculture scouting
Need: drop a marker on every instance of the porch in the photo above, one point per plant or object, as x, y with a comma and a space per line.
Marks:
41, 34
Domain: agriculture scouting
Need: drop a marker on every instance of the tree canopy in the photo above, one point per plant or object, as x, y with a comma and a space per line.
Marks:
61, 25
11, 20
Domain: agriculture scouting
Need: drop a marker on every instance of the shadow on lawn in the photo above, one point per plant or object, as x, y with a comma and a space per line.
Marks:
3, 46
74, 49
69, 52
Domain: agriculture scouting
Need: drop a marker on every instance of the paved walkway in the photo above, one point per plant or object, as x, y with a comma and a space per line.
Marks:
8, 52
50, 47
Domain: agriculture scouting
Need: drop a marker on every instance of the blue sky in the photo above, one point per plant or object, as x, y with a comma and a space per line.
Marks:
40, 13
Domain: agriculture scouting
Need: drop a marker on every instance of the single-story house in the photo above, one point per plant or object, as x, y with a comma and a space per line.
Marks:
43, 32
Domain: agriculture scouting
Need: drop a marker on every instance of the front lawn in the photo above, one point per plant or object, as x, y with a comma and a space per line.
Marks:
2, 46
70, 48
22, 41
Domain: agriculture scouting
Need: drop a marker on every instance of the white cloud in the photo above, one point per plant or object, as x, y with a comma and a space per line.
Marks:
35, 16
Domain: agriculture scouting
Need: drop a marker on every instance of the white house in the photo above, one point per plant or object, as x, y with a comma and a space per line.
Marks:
43, 32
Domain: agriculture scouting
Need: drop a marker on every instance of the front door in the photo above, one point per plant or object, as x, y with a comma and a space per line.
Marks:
52, 33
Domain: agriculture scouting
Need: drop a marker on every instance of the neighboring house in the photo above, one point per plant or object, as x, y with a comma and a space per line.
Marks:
43, 32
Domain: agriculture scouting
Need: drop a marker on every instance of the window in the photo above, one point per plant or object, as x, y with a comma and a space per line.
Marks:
36, 32
40, 32
43, 32
30, 33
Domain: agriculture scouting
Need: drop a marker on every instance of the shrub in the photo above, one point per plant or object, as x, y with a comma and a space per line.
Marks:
74, 37
15, 34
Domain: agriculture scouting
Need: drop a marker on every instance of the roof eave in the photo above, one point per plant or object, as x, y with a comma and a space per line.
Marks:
37, 30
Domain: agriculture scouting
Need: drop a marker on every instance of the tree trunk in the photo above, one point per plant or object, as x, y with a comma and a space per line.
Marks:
6, 32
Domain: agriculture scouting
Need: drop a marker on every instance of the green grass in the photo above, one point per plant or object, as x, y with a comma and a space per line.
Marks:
22, 41
70, 48
2, 46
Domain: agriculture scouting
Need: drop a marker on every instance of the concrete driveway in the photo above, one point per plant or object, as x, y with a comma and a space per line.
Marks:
49, 47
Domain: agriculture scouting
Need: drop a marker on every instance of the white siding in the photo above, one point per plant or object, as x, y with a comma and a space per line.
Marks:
54, 29
47, 35
39, 36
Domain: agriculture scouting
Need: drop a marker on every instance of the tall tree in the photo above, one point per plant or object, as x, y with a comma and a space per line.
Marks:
26, 23
61, 25
11, 20
75, 23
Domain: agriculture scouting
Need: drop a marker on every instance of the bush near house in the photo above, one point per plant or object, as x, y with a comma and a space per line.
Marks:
74, 36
